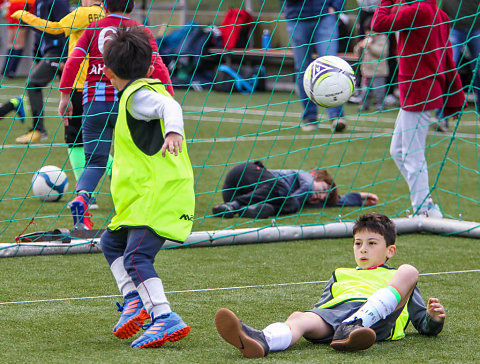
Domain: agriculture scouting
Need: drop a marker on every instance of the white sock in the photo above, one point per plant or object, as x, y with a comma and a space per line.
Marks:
153, 297
378, 306
124, 282
278, 335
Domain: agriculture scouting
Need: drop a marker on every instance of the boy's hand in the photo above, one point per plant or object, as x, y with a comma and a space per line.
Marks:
435, 310
172, 143
65, 108
362, 43
369, 199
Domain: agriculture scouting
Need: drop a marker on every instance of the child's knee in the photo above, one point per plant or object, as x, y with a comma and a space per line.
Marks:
128, 262
106, 242
295, 315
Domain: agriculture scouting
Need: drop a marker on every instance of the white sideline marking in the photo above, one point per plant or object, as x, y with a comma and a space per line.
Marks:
217, 289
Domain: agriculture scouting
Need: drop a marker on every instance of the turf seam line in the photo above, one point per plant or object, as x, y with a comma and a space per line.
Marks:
219, 289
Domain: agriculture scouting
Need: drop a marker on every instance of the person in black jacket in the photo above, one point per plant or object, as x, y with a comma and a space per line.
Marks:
253, 191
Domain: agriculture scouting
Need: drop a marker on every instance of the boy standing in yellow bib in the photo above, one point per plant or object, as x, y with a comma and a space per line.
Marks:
152, 189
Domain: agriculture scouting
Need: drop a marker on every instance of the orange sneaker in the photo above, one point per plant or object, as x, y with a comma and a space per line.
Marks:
132, 318
169, 327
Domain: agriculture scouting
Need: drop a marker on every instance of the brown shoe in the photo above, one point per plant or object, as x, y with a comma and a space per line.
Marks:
249, 341
352, 336
338, 125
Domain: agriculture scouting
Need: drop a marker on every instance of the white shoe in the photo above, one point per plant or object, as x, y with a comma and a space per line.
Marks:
434, 211
309, 125
355, 99
390, 100
338, 125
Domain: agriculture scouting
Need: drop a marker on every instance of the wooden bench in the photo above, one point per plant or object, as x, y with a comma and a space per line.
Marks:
278, 63
267, 55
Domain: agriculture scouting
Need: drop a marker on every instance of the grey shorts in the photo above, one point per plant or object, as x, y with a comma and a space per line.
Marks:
334, 316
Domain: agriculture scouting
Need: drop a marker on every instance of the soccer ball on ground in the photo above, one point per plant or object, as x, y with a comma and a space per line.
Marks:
49, 183
329, 81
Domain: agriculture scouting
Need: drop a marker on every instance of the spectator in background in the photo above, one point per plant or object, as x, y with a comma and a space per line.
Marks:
49, 53
17, 36
465, 33
373, 52
366, 9
428, 80
313, 25
253, 191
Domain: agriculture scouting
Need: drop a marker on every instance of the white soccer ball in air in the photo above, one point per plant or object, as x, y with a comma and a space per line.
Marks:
329, 81
49, 183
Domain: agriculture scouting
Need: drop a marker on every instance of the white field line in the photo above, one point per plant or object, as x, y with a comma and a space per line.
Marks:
219, 289
360, 132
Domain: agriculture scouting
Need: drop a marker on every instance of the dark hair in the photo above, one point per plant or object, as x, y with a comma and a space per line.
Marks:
323, 175
379, 224
128, 53
119, 6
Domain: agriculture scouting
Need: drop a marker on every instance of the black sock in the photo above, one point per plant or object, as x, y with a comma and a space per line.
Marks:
6, 108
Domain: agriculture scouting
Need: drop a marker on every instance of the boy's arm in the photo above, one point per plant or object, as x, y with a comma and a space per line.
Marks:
357, 199
148, 105
421, 320
75, 59
53, 28
297, 197
68, 83
72, 66
69, 76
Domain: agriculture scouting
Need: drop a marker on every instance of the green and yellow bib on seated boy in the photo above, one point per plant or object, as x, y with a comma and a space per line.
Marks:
147, 188
359, 284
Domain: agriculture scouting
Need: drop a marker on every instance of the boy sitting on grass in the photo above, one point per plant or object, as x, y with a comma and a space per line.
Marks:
152, 189
358, 305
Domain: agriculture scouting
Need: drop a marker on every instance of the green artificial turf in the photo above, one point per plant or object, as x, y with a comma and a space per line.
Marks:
262, 283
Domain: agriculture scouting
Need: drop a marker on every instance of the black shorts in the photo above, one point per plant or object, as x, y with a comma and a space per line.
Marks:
73, 131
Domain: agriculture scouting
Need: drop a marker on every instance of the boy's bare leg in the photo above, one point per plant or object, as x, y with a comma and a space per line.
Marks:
308, 325
278, 336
